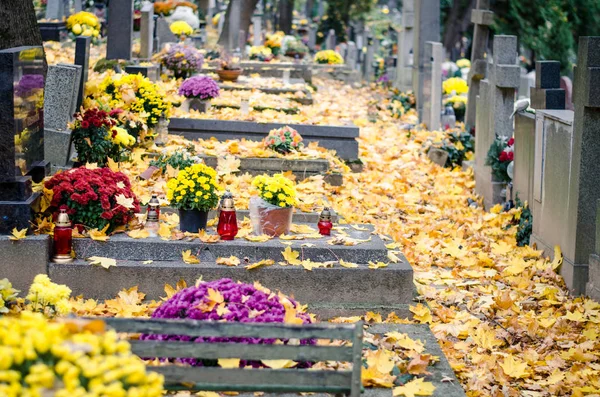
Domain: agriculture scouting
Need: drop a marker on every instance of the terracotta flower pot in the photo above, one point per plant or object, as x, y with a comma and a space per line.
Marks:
192, 220
229, 75
275, 222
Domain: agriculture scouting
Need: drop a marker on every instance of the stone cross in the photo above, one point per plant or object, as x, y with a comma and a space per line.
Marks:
120, 30
55, 9
584, 190
496, 105
330, 40
147, 31
82, 58
482, 18
427, 28
234, 24
404, 65
432, 85
22, 81
547, 93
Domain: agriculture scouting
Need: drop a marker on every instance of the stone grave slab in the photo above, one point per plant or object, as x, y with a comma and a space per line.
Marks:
22, 260
306, 100
336, 290
342, 139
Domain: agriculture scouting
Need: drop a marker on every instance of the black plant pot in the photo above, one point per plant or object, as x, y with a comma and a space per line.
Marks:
192, 220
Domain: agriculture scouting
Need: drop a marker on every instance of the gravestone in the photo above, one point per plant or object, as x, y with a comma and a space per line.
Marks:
312, 37
55, 9
257, 29
427, 28
369, 58
62, 88
163, 33
150, 71
482, 18
330, 40
147, 31
235, 14
438, 156
547, 93
496, 105
21, 133
78, 5
82, 58
344, 50
352, 55
432, 85
403, 79
120, 30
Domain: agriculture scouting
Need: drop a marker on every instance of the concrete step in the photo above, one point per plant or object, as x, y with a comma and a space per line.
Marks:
337, 290
123, 247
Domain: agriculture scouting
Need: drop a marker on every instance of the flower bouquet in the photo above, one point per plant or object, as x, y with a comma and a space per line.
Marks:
242, 303
181, 29
271, 211
199, 90
459, 104
260, 53
283, 140
97, 138
95, 198
194, 192
328, 57
84, 23
163, 8
273, 41
295, 48
455, 86
182, 60
499, 157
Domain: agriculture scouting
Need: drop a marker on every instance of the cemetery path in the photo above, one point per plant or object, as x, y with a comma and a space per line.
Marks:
500, 312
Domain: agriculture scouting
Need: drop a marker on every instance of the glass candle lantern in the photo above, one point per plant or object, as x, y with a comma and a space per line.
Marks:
325, 225
63, 238
227, 227
152, 216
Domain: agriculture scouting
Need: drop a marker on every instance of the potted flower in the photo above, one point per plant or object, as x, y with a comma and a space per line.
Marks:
459, 104
193, 192
199, 90
295, 48
273, 41
328, 57
182, 60
271, 211
94, 198
229, 70
455, 86
260, 53
84, 23
97, 138
283, 140
181, 29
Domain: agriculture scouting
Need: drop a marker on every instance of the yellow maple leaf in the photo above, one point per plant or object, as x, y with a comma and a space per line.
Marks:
18, 234
349, 265
291, 256
501, 248
371, 317
139, 233
91, 166
228, 165
124, 201
258, 239
404, 341
208, 238
229, 362
416, 387
102, 261
279, 364
302, 229
164, 231
114, 166
264, 262
382, 359
393, 257
378, 265
485, 337
421, 313
231, 261
99, 235
558, 258
371, 377
514, 367
189, 258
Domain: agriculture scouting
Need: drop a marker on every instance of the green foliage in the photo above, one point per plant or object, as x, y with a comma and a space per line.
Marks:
401, 102
178, 160
493, 159
339, 13
525, 225
458, 144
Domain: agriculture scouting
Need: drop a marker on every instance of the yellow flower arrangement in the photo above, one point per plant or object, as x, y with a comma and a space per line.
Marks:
274, 40
456, 85
329, 57
8, 295
39, 357
463, 63
136, 94
181, 28
121, 137
276, 190
456, 101
215, 19
84, 23
194, 187
261, 53
47, 297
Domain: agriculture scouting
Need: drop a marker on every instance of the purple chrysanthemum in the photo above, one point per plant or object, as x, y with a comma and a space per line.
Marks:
183, 60
241, 303
201, 87
28, 83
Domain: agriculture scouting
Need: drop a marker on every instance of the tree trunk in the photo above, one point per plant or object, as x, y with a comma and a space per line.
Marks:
19, 24
247, 7
457, 23
286, 9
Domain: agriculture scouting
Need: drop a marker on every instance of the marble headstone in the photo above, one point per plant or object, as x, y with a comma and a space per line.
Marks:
55, 9
163, 32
